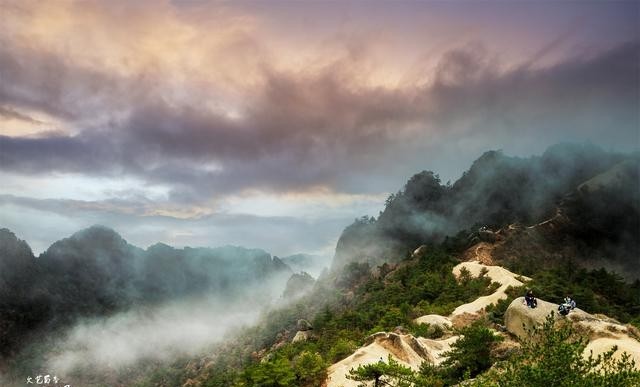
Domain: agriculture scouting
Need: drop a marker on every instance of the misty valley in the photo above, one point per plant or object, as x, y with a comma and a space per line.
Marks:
426, 293
94, 300
319, 193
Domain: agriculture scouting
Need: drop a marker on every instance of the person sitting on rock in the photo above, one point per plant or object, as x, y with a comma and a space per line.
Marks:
570, 301
568, 304
530, 299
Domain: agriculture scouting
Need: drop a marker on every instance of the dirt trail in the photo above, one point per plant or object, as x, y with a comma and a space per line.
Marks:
481, 252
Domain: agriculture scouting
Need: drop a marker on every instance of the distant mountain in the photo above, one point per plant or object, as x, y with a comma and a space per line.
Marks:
309, 263
95, 272
596, 190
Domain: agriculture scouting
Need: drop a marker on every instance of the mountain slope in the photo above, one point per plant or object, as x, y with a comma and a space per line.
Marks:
602, 333
499, 190
95, 273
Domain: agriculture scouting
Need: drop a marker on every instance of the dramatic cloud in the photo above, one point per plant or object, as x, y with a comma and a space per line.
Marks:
211, 101
300, 133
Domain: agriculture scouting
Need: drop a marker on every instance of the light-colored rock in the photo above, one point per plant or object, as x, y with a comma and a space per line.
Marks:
520, 319
304, 325
473, 310
435, 320
406, 349
419, 251
497, 274
601, 331
301, 336
624, 344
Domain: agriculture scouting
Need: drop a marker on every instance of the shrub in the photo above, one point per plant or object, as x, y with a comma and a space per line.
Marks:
341, 349
471, 354
310, 369
554, 357
390, 373
276, 372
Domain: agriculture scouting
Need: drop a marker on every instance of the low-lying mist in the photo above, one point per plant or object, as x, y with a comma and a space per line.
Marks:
93, 306
162, 333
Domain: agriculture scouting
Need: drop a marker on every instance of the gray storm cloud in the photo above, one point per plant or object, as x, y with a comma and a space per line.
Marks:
299, 131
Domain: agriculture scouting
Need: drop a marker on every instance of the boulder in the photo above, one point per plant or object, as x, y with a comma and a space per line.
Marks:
601, 331
420, 251
301, 336
520, 319
304, 325
407, 350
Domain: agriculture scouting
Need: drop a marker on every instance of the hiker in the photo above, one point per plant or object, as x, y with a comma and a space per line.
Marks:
568, 304
530, 299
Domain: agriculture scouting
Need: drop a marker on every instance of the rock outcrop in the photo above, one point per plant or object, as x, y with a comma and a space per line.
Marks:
422, 250
301, 336
497, 274
520, 319
602, 332
304, 331
408, 350
304, 325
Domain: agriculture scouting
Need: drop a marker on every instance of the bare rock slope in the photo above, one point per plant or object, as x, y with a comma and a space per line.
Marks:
602, 332
411, 351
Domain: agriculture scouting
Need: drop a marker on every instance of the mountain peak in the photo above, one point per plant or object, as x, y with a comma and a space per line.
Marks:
94, 238
96, 230
8, 238
11, 246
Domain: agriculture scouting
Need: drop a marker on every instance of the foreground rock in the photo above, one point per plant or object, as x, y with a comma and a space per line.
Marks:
602, 332
408, 350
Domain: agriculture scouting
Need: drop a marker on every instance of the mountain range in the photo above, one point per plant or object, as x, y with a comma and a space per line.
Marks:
592, 194
572, 209
96, 273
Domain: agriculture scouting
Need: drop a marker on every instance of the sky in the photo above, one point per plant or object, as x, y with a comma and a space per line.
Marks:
275, 124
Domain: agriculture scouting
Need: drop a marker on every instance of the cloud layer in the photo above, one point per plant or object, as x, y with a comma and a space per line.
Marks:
211, 101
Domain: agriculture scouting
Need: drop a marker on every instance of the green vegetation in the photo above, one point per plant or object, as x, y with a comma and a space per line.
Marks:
347, 309
596, 291
553, 357
390, 373
361, 304
271, 373
471, 354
